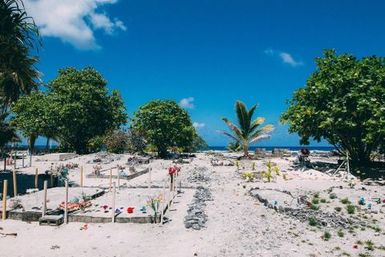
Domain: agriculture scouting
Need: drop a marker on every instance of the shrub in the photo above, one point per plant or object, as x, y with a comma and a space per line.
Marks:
338, 209
340, 233
351, 209
345, 201
326, 236
313, 221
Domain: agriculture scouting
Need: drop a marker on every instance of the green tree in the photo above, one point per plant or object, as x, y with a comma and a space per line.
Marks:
343, 102
7, 132
83, 108
165, 125
247, 131
18, 34
33, 116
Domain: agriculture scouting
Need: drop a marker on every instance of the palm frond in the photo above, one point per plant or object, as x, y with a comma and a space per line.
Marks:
234, 128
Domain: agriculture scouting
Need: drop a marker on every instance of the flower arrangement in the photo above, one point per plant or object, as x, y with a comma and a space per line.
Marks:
173, 170
154, 203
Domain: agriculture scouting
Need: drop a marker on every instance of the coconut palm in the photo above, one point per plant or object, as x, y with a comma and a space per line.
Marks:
18, 34
247, 131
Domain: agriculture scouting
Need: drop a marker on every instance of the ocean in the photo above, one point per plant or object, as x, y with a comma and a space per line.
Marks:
269, 148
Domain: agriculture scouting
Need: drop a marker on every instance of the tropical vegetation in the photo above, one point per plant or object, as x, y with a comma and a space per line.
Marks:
343, 103
165, 125
247, 131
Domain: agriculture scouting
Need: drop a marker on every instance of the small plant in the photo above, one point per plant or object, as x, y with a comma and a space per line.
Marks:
153, 203
340, 233
314, 207
315, 201
345, 201
248, 176
338, 209
316, 195
369, 245
323, 200
377, 229
313, 221
351, 209
271, 169
326, 236
333, 196
359, 242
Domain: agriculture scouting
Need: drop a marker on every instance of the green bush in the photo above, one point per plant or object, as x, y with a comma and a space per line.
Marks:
313, 221
351, 209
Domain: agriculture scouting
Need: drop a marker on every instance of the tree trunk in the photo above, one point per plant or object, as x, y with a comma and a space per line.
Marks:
47, 145
246, 149
31, 142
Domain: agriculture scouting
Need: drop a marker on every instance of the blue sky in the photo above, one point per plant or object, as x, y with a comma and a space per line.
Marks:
210, 53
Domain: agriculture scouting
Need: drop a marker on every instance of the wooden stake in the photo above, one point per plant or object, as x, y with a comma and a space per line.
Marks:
14, 183
51, 180
81, 176
30, 159
149, 177
118, 179
113, 203
162, 206
15, 160
23, 161
110, 179
66, 203
5, 191
37, 178
45, 198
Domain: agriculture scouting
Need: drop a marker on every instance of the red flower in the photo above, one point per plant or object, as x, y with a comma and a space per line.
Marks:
173, 169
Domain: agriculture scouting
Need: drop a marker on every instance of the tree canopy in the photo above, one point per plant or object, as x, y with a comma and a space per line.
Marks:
18, 34
165, 124
343, 102
82, 107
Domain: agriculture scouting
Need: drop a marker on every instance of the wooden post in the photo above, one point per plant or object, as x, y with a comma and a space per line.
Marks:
14, 183
149, 178
110, 179
30, 159
119, 179
22, 160
5, 191
5, 162
81, 176
14, 160
51, 180
162, 205
113, 203
45, 198
37, 178
66, 203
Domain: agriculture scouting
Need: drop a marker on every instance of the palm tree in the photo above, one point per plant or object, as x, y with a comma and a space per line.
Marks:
18, 34
247, 131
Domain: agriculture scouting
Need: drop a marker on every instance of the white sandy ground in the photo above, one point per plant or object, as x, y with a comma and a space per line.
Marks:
238, 225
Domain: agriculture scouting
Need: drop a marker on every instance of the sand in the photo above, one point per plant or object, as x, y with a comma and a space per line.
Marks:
237, 223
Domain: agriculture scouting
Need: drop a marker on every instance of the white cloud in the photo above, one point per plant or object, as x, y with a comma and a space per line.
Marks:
198, 125
287, 58
73, 21
187, 103
284, 56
